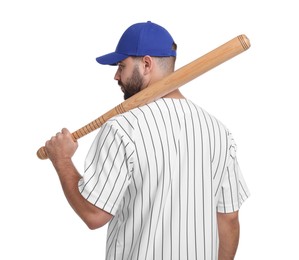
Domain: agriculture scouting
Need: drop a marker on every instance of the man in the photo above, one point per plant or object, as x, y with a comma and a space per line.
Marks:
165, 175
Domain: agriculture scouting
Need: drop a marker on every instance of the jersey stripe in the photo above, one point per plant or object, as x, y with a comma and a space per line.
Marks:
163, 170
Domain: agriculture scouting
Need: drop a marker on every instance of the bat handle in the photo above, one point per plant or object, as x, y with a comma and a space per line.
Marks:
41, 152
95, 124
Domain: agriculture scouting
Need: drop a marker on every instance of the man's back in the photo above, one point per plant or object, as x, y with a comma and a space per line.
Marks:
171, 168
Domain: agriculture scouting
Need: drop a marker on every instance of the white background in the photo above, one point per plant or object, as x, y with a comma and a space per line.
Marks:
49, 79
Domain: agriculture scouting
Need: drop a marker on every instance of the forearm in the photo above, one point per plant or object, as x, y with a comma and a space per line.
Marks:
229, 233
69, 177
60, 149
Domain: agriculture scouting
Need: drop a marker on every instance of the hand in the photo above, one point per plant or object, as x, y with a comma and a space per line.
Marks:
61, 147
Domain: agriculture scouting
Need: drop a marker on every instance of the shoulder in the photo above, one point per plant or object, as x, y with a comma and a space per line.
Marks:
209, 117
219, 129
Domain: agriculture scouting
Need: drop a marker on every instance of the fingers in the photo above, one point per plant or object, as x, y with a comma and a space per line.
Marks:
65, 131
59, 136
61, 146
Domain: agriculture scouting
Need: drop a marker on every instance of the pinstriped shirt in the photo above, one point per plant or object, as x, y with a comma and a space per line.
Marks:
163, 170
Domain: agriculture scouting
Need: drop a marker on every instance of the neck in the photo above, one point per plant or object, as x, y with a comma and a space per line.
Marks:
176, 94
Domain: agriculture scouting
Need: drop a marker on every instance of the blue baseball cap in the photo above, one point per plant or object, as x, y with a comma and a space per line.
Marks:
141, 39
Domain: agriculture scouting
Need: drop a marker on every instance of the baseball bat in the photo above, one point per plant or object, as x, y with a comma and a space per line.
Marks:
168, 84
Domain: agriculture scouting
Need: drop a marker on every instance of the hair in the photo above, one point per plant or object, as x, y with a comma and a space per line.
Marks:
167, 64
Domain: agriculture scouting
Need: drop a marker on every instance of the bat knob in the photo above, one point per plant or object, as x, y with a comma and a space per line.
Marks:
41, 153
245, 42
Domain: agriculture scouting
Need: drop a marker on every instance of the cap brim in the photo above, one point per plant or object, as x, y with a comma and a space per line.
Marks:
111, 58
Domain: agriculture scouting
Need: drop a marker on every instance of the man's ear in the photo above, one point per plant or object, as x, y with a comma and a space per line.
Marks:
147, 64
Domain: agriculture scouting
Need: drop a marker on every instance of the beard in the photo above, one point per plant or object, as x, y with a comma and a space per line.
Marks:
132, 85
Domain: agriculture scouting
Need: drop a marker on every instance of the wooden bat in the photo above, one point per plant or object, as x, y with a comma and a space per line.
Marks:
168, 84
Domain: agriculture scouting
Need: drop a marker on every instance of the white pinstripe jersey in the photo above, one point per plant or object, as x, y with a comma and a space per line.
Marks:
163, 170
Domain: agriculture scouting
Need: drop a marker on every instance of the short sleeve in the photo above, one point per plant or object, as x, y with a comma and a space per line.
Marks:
108, 168
234, 190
